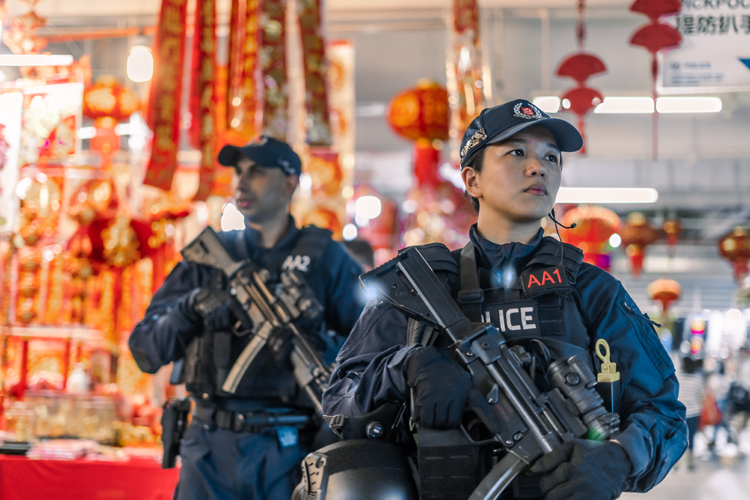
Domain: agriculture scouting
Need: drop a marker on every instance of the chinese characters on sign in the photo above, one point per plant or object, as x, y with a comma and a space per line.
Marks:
715, 54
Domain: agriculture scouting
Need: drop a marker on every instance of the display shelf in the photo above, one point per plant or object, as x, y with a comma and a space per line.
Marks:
55, 332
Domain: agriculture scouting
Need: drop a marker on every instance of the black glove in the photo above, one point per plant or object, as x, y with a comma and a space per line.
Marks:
280, 344
211, 306
440, 388
583, 470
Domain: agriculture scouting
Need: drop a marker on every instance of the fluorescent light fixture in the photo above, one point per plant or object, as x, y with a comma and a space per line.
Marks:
86, 133
607, 195
626, 105
688, 104
140, 64
368, 207
35, 60
547, 103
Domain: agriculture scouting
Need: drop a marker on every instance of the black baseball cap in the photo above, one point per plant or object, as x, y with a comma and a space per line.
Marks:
498, 123
266, 152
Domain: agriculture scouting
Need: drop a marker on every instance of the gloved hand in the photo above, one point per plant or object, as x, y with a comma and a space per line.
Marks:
280, 344
583, 470
440, 388
211, 306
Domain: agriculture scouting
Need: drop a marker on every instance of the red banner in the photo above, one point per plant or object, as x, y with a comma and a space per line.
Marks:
316, 69
466, 16
166, 91
203, 95
275, 91
244, 43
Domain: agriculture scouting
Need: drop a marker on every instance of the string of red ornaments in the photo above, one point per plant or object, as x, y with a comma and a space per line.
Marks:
581, 66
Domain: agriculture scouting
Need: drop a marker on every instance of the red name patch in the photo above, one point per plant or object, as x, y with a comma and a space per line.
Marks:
546, 278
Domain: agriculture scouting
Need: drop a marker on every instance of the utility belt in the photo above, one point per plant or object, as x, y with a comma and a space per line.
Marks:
254, 422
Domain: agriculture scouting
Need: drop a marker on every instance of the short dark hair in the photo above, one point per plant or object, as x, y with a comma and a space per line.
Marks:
477, 163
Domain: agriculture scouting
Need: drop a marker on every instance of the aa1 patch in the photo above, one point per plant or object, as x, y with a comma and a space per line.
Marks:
543, 280
520, 316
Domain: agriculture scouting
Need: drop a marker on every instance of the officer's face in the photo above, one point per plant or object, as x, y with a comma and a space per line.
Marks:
262, 193
520, 177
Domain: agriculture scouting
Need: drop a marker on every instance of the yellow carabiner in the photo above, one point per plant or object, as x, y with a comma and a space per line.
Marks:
609, 371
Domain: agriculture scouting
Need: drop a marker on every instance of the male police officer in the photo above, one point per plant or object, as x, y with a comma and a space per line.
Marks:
532, 289
221, 457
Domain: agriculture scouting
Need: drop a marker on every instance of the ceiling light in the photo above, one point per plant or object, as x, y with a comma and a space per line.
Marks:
35, 60
688, 104
140, 66
615, 240
626, 105
368, 207
607, 195
547, 103
350, 232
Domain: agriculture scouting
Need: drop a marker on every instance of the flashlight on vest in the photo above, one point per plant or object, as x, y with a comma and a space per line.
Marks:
608, 380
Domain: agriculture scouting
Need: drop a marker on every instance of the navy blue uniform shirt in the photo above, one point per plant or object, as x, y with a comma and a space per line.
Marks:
372, 362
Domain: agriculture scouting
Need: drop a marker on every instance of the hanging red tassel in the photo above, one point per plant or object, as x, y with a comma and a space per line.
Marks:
654, 37
273, 67
166, 93
203, 95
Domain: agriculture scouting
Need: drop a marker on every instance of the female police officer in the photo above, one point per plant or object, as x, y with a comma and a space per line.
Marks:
511, 166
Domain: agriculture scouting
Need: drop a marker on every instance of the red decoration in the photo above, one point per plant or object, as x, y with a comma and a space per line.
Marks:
672, 229
242, 114
108, 98
735, 247
316, 69
654, 37
421, 114
636, 235
665, 291
580, 67
273, 67
166, 92
594, 226
203, 95
466, 74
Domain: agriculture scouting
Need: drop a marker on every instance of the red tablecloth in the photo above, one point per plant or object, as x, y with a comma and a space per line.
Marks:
24, 479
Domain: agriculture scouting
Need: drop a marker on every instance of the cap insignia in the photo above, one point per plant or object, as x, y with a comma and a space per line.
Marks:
528, 111
260, 141
478, 137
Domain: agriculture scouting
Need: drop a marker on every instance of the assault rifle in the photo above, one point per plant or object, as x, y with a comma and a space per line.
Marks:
266, 311
524, 422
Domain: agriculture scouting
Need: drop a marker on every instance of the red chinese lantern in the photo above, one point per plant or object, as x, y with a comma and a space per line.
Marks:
108, 102
581, 66
594, 226
421, 114
636, 235
735, 247
654, 37
665, 291
672, 229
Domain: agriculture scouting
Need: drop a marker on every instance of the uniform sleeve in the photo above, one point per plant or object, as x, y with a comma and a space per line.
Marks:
344, 298
164, 333
371, 364
652, 430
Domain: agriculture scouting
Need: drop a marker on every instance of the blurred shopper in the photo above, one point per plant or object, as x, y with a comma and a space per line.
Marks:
190, 316
692, 392
511, 161
719, 383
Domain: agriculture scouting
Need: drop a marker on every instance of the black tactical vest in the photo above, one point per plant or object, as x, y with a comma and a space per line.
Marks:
210, 356
535, 304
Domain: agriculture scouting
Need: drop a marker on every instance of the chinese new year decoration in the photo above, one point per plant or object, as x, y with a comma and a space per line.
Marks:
666, 292
203, 95
672, 228
735, 247
166, 92
636, 235
108, 102
581, 66
421, 114
468, 80
654, 37
593, 227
